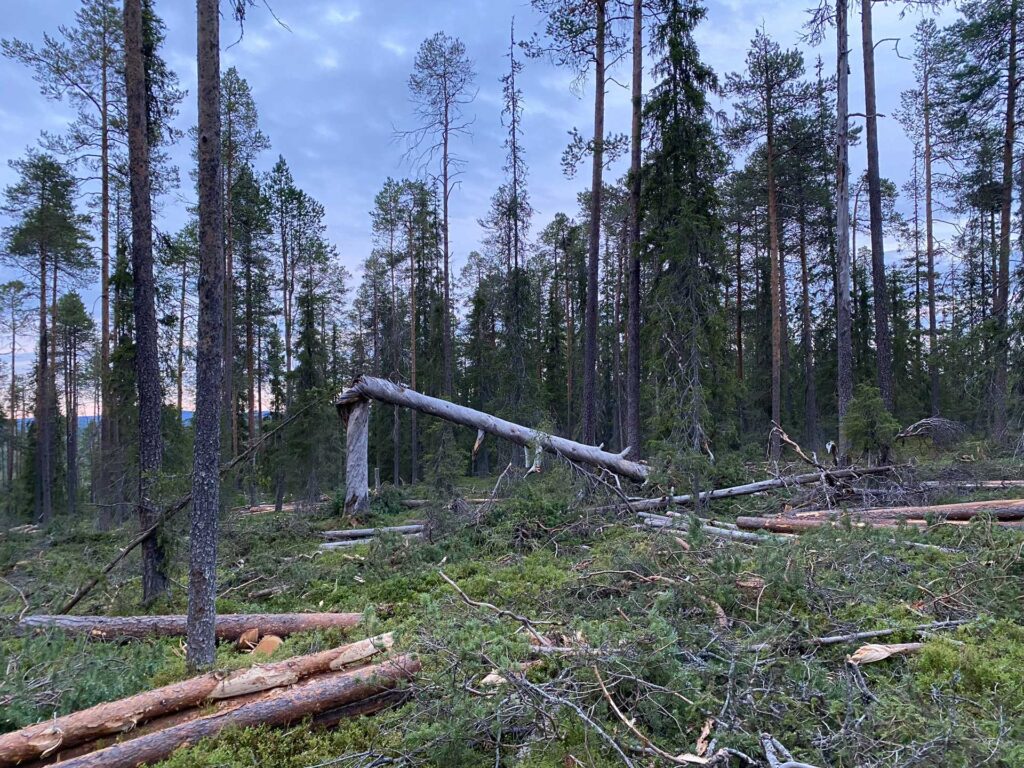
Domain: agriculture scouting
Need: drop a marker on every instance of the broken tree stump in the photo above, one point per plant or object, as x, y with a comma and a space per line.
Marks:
229, 625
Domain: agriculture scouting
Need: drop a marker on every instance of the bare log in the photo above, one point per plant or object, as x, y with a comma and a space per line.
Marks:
229, 625
711, 530
395, 394
972, 484
280, 707
999, 509
365, 533
122, 715
347, 543
665, 502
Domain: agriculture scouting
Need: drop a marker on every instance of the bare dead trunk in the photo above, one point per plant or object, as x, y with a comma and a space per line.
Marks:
589, 405
633, 439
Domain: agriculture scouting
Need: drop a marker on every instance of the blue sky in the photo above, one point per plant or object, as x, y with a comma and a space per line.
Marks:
331, 88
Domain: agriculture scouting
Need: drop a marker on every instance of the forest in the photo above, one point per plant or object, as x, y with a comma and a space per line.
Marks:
721, 465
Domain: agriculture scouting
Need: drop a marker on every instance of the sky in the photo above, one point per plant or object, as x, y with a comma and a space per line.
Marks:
330, 81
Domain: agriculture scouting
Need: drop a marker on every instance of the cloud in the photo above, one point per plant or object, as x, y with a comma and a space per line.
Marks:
338, 16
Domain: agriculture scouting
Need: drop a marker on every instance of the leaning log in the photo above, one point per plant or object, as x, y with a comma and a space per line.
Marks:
230, 625
113, 717
284, 705
369, 387
365, 533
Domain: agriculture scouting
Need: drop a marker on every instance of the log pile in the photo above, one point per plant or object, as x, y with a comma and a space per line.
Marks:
1003, 512
149, 726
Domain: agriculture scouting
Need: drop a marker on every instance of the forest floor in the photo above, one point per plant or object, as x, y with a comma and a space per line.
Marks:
700, 643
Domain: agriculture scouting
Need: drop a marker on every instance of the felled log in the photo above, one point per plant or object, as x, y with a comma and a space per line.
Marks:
972, 484
999, 509
278, 707
229, 625
125, 714
666, 523
365, 533
346, 543
796, 525
419, 503
369, 387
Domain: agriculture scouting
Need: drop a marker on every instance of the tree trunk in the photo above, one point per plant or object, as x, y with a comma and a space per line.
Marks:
209, 376
883, 331
844, 319
633, 437
43, 489
125, 714
776, 289
1000, 307
181, 336
357, 433
810, 383
446, 319
933, 351
284, 706
593, 252
106, 405
147, 367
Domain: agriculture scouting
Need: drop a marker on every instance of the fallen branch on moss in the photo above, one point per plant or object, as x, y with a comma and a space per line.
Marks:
109, 718
230, 625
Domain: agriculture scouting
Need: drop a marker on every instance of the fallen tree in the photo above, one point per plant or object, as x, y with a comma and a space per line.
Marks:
113, 717
347, 543
366, 533
230, 625
747, 489
278, 707
353, 400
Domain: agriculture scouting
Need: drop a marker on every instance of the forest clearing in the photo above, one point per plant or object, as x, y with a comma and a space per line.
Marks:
714, 457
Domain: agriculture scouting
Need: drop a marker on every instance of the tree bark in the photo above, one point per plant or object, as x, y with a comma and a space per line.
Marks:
1000, 307
147, 367
229, 625
775, 287
593, 252
807, 335
933, 351
883, 331
357, 435
285, 706
633, 436
125, 714
395, 394
209, 377
844, 319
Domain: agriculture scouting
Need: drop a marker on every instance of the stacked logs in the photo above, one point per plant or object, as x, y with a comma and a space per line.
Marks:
352, 537
148, 727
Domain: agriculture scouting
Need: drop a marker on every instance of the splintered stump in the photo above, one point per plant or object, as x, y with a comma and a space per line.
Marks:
229, 626
357, 442
122, 715
278, 707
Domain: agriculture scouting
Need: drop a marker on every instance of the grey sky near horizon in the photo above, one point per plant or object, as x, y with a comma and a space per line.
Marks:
330, 84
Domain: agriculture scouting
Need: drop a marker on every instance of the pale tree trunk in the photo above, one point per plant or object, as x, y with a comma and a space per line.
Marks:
414, 436
633, 438
147, 369
593, 254
933, 362
229, 298
810, 389
883, 331
181, 336
202, 582
446, 319
844, 319
1000, 307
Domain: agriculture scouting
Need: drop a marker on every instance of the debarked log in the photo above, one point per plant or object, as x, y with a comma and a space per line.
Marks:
126, 714
369, 387
366, 533
229, 625
281, 707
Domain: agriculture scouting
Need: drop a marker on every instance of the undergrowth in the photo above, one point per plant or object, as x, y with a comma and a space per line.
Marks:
646, 605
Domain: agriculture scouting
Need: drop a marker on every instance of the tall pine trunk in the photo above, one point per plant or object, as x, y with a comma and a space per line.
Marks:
806, 332
844, 314
775, 287
43, 489
147, 368
883, 330
633, 438
933, 352
1000, 307
202, 582
593, 253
